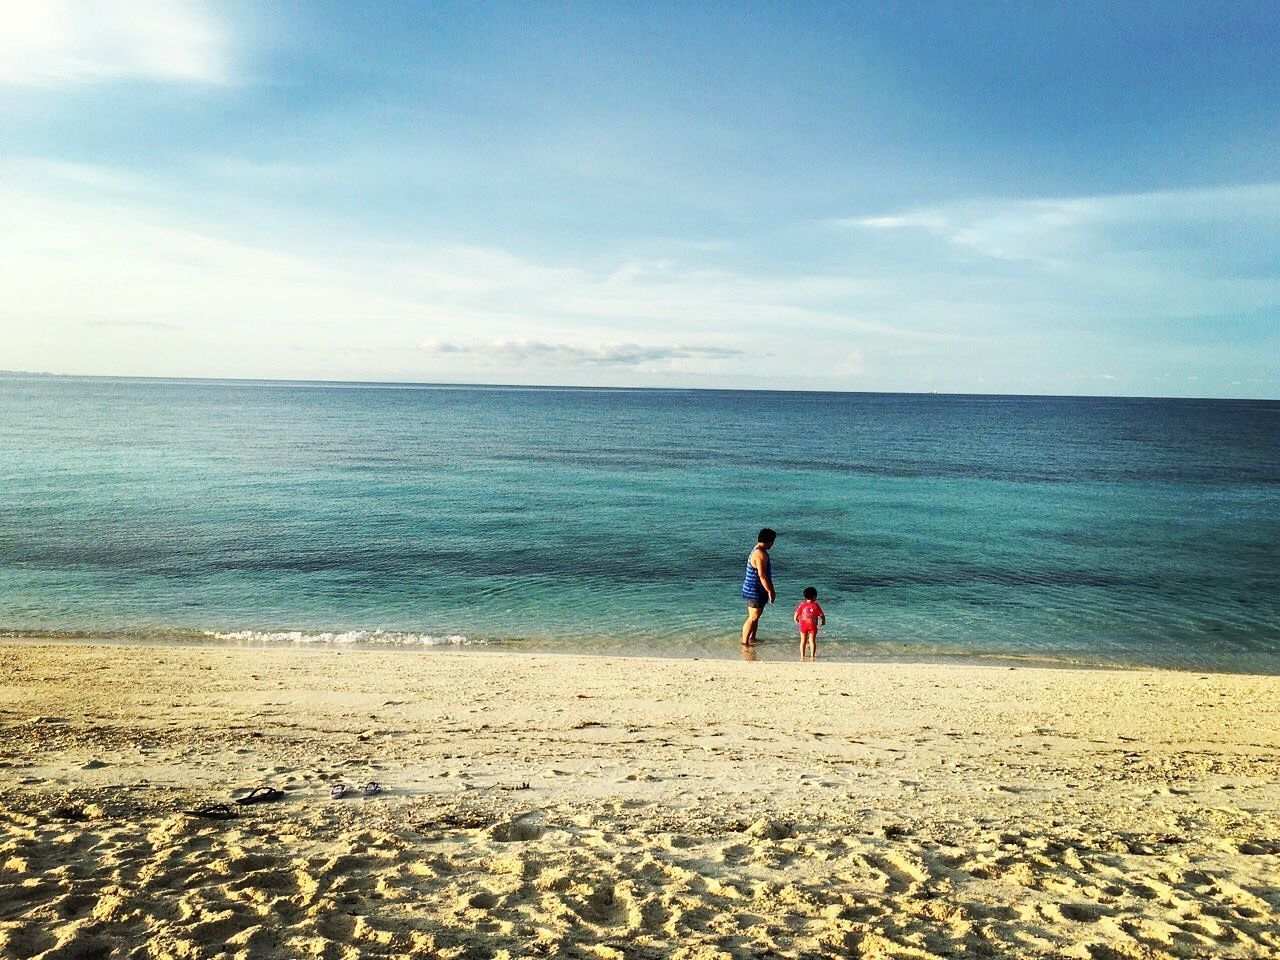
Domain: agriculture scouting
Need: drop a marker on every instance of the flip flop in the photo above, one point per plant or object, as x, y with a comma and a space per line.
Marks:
338, 791
261, 795
372, 787
213, 811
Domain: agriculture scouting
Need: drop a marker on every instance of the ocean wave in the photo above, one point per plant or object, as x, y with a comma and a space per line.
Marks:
380, 638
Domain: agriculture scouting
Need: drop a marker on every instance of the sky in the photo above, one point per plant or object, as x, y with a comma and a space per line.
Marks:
1050, 198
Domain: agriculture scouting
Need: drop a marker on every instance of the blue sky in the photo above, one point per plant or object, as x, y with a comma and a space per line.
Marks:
988, 197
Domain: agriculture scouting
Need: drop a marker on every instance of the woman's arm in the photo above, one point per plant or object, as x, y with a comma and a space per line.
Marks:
756, 558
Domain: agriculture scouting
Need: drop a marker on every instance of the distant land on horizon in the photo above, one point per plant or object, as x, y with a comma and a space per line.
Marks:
48, 375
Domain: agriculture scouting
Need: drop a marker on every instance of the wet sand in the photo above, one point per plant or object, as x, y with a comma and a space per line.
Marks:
539, 805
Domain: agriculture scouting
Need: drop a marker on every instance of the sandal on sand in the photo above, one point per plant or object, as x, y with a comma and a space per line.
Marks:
212, 811
338, 791
261, 795
372, 787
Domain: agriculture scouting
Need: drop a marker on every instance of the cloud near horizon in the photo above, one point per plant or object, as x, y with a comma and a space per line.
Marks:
519, 352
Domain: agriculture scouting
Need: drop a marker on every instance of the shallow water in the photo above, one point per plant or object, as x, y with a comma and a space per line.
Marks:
1082, 530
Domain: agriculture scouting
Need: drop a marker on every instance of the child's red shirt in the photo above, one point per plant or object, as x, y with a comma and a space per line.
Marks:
809, 612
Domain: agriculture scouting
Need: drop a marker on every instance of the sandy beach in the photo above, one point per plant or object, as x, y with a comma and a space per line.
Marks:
609, 807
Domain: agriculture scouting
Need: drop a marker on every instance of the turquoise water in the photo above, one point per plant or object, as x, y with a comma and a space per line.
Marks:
1091, 530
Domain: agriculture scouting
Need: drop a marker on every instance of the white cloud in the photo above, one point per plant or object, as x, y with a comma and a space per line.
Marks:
900, 222
1047, 229
853, 364
524, 352
1175, 253
55, 42
134, 324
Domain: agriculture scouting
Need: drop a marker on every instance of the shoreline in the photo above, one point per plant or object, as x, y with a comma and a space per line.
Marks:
775, 651
623, 806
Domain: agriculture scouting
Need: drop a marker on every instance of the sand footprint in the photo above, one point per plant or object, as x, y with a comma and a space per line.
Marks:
608, 905
24, 940
518, 830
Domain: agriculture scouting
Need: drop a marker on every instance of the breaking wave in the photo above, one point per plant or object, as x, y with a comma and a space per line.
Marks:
376, 638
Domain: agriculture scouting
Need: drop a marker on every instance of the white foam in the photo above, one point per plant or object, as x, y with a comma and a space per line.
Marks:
382, 638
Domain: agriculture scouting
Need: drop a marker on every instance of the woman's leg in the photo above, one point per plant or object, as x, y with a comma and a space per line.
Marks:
749, 627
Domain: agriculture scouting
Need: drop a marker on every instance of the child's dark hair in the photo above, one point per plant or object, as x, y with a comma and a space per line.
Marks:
767, 535
811, 593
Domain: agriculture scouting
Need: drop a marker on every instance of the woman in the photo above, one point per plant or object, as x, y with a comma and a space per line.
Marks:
757, 585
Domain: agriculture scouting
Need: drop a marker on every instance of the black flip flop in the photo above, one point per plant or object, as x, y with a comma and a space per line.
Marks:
213, 811
261, 795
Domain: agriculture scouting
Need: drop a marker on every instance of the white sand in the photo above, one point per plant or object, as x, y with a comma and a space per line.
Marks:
579, 807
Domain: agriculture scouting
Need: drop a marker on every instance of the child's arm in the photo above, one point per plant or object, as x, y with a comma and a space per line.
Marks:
795, 616
822, 613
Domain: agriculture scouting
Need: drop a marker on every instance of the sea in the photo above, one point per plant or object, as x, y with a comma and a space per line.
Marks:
1009, 529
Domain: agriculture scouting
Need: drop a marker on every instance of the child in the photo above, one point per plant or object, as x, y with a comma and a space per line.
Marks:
807, 614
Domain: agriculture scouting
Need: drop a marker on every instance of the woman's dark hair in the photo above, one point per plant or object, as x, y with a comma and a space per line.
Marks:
767, 535
811, 593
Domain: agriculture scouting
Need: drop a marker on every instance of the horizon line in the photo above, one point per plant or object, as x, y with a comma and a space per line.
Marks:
443, 384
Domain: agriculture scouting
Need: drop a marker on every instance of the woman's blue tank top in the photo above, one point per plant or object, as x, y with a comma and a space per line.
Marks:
752, 588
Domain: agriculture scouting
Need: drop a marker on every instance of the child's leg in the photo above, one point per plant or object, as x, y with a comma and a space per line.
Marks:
808, 642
